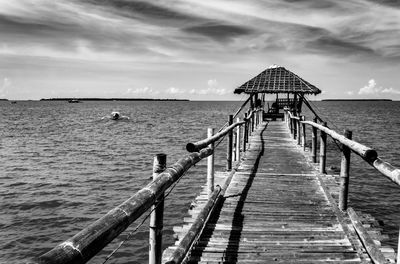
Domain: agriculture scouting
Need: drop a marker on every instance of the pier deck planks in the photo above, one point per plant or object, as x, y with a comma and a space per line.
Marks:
276, 209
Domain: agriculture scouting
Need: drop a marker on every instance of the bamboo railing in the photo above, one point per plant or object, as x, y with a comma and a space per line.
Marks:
91, 240
347, 146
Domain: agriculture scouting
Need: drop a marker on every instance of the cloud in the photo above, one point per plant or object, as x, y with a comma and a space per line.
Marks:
212, 89
173, 90
145, 91
390, 91
372, 89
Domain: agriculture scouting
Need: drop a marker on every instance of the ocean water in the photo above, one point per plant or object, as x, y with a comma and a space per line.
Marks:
63, 166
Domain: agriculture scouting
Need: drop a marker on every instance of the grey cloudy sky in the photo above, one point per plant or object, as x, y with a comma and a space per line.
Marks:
201, 50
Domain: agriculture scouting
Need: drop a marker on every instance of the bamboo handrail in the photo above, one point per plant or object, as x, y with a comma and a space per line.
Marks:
363, 151
195, 147
88, 242
387, 169
368, 154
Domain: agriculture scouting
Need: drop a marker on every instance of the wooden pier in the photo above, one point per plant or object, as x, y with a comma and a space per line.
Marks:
278, 208
274, 203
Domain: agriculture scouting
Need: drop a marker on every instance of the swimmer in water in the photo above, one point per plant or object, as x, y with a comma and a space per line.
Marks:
116, 116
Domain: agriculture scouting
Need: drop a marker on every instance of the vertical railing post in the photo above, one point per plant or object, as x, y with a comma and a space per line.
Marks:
255, 119
252, 122
233, 146
210, 165
322, 151
314, 142
298, 136
238, 141
245, 132
344, 173
290, 125
229, 146
303, 132
157, 215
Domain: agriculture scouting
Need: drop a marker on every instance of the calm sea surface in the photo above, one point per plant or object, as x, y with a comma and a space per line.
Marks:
63, 166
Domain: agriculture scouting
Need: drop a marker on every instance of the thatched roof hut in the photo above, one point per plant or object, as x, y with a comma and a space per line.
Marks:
278, 80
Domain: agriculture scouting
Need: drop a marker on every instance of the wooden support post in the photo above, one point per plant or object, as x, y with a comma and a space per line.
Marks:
344, 173
210, 165
298, 136
294, 128
291, 125
253, 122
238, 141
303, 130
229, 146
156, 217
314, 142
250, 124
245, 132
233, 147
322, 151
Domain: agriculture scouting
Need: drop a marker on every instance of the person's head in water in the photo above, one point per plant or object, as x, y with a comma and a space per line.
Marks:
115, 115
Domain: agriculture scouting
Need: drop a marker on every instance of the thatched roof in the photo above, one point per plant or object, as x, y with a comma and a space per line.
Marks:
277, 79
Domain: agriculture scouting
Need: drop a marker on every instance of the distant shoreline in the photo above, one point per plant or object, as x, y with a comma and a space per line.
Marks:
327, 100
110, 99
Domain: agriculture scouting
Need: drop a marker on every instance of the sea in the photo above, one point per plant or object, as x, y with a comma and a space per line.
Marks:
65, 165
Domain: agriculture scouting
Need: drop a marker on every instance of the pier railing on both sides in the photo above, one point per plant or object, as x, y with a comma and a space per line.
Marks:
297, 127
91, 240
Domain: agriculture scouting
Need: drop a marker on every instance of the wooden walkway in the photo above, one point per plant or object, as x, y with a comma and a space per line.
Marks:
277, 209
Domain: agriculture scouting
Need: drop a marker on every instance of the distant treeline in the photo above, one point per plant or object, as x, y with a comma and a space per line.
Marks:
110, 99
356, 100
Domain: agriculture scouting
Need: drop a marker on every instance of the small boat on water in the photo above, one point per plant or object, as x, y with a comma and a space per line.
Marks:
74, 101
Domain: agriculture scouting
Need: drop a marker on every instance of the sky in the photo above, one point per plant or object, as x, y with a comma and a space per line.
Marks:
197, 50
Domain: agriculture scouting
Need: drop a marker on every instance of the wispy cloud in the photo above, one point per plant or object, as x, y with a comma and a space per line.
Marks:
160, 38
138, 27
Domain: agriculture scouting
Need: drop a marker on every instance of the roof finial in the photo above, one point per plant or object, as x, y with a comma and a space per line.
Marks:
273, 66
